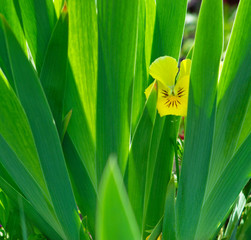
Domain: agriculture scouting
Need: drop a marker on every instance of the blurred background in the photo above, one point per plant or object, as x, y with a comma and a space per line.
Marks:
191, 22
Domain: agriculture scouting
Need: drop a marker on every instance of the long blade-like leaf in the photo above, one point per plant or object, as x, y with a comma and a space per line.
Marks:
53, 72
137, 163
118, 26
81, 91
200, 119
168, 230
39, 19
169, 26
45, 135
8, 10
234, 95
84, 189
115, 219
222, 196
29, 210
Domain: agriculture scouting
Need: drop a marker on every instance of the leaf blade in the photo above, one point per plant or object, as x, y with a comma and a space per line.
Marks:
112, 195
200, 119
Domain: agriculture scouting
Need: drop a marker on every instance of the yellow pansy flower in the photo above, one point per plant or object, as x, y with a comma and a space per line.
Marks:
173, 85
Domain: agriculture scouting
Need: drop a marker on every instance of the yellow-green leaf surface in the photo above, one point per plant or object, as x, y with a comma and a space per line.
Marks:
169, 26
53, 72
150, 18
45, 134
82, 80
8, 10
83, 46
115, 218
233, 110
200, 118
138, 156
139, 81
117, 29
39, 19
58, 4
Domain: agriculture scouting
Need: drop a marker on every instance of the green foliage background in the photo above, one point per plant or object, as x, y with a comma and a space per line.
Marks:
77, 135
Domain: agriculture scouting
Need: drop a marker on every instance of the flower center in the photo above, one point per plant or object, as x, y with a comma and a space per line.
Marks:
173, 99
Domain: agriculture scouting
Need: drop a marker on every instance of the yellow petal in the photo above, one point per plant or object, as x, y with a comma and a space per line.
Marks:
185, 67
149, 89
182, 86
164, 69
169, 104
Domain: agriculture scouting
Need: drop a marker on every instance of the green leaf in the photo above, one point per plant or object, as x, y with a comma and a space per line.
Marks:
78, 129
30, 211
45, 135
169, 26
118, 27
7, 8
85, 190
53, 72
138, 156
23, 178
200, 118
21, 140
235, 216
150, 17
246, 127
4, 208
234, 96
58, 4
66, 122
156, 231
115, 219
140, 79
218, 201
80, 96
245, 231
159, 167
83, 55
18, 154
168, 229
39, 19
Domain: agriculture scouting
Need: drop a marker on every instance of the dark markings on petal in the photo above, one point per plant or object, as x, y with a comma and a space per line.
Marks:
165, 93
167, 101
180, 92
180, 89
172, 103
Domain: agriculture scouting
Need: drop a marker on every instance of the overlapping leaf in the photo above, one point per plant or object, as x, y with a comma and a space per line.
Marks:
200, 119
115, 218
45, 135
116, 67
